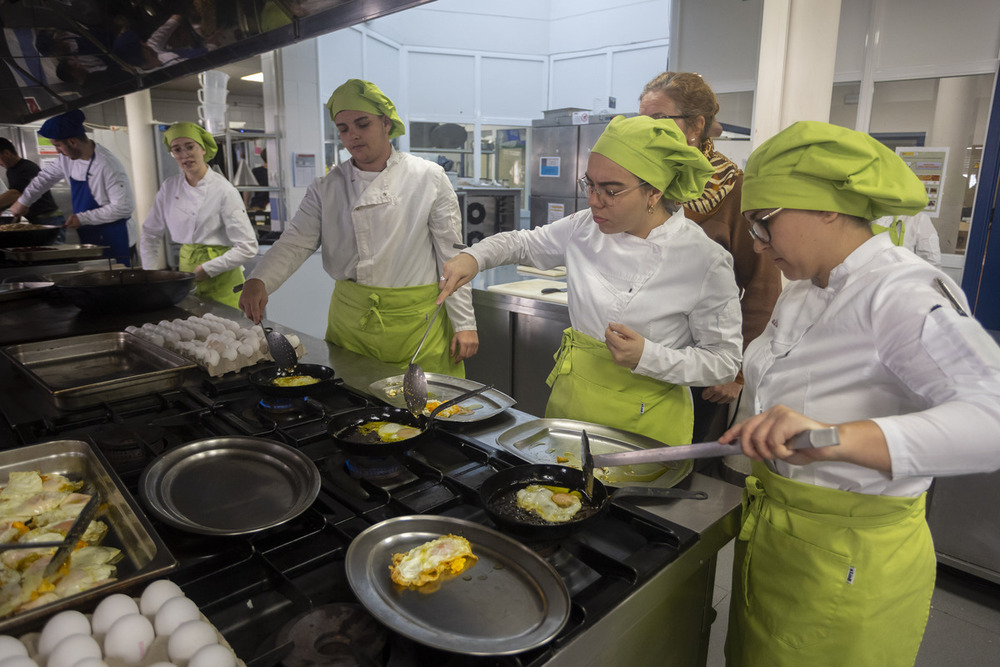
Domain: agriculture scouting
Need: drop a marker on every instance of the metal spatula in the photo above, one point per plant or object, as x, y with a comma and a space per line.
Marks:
415, 380
281, 350
587, 464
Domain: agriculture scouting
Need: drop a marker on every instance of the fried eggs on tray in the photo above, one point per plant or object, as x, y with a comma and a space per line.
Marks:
428, 562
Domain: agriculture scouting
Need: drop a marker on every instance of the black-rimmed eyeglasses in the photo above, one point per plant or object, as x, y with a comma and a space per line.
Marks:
758, 227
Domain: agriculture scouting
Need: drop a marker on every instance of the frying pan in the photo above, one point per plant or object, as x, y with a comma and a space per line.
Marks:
28, 237
125, 289
263, 381
342, 423
498, 494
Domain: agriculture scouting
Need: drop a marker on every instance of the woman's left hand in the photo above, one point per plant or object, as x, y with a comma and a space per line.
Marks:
464, 345
764, 436
624, 344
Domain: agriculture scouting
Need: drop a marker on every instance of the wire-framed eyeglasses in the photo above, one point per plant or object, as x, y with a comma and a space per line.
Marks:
606, 196
758, 227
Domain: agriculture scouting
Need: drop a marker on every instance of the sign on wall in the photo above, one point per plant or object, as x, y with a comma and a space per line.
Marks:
929, 164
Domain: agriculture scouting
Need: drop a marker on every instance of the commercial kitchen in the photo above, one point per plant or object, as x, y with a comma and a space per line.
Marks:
500, 94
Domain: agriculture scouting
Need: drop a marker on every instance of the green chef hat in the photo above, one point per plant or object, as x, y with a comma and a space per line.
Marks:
196, 133
358, 95
656, 151
821, 167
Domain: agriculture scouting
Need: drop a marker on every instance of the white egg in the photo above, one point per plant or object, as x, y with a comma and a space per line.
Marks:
110, 609
173, 613
129, 638
71, 650
60, 626
90, 662
188, 638
11, 647
212, 655
156, 594
163, 664
18, 661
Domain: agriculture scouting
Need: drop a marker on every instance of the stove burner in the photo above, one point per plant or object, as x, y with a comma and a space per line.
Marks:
127, 446
334, 635
373, 468
282, 409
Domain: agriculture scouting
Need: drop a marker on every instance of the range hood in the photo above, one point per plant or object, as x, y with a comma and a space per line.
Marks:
65, 54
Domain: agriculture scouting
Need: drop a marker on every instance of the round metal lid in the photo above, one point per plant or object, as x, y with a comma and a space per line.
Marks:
510, 601
229, 485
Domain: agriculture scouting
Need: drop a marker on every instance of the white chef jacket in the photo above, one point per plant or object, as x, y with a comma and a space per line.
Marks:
881, 342
676, 288
108, 181
919, 236
209, 213
398, 233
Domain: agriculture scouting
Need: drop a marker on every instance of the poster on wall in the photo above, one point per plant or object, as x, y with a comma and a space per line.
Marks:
549, 166
555, 212
929, 164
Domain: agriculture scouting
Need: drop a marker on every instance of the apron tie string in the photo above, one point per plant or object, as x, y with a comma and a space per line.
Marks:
753, 500
564, 363
374, 301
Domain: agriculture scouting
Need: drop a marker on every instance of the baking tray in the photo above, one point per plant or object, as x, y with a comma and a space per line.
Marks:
145, 556
89, 370
510, 601
11, 291
49, 252
442, 388
546, 440
229, 485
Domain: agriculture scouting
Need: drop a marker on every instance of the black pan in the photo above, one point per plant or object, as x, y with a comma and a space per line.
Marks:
263, 381
498, 495
27, 237
122, 290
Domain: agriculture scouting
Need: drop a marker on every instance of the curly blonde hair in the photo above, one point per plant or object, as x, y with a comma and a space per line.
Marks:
689, 93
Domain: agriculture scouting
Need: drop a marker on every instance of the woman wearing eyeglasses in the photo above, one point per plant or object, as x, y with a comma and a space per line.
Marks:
652, 301
205, 213
834, 562
687, 99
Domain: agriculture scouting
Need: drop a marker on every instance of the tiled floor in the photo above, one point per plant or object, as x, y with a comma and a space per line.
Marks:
963, 630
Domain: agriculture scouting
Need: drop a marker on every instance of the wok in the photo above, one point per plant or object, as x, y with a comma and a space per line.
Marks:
31, 235
343, 426
498, 494
124, 289
263, 381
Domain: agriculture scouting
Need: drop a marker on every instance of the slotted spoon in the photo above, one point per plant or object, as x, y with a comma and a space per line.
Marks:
415, 380
281, 350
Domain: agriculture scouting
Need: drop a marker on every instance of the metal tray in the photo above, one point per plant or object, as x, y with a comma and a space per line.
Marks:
11, 291
230, 485
146, 557
510, 601
83, 371
442, 388
49, 252
543, 440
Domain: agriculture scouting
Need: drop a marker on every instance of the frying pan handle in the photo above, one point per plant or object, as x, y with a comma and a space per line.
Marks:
458, 399
648, 492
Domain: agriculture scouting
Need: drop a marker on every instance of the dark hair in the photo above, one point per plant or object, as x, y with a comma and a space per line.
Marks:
263, 154
664, 203
689, 92
5, 145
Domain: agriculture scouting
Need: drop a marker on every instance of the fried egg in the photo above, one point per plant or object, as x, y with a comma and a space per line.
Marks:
551, 505
447, 412
447, 555
389, 431
294, 381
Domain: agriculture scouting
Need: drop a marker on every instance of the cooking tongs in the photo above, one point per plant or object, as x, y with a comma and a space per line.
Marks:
820, 437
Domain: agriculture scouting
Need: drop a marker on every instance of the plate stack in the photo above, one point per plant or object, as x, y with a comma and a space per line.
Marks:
212, 95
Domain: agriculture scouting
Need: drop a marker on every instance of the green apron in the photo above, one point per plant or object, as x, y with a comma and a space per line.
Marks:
828, 578
388, 322
218, 288
588, 386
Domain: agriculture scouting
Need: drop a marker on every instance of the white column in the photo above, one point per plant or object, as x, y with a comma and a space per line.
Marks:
953, 126
798, 51
142, 147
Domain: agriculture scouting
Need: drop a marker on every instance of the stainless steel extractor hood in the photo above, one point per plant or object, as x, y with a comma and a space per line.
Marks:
65, 54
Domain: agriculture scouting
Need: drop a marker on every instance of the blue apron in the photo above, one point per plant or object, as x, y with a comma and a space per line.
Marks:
114, 235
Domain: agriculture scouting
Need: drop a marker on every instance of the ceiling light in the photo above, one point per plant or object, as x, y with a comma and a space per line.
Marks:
258, 77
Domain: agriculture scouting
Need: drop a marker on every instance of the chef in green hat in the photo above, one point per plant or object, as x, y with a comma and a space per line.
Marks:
202, 211
387, 222
653, 303
834, 562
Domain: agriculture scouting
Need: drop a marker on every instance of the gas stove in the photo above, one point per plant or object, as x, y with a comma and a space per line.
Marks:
281, 596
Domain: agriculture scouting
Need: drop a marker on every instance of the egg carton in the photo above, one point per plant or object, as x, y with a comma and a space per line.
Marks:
156, 653
217, 344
